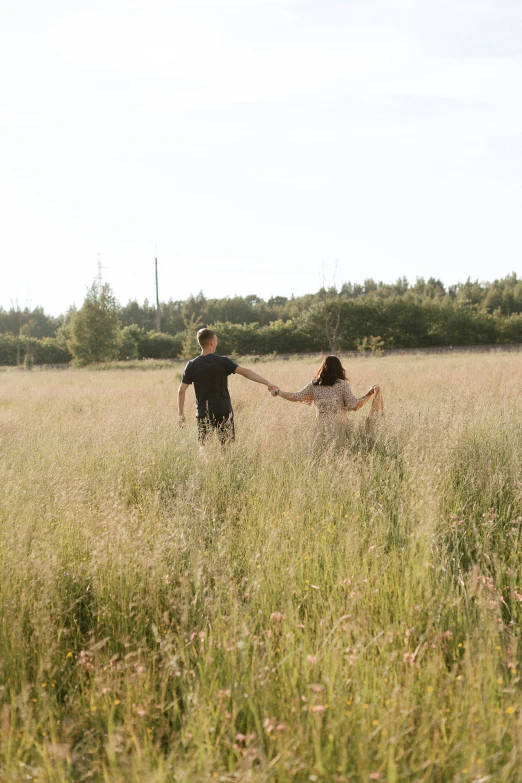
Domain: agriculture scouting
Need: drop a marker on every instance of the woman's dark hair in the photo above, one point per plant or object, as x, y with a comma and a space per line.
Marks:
330, 371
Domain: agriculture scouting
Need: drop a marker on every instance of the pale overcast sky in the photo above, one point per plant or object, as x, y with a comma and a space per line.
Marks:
260, 144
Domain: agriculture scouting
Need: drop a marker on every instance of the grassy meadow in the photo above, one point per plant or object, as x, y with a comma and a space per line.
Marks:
275, 611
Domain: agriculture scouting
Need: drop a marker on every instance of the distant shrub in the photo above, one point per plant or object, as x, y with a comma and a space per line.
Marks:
49, 351
129, 341
252, 339
509, 330
8, 350
154, 345
371, 345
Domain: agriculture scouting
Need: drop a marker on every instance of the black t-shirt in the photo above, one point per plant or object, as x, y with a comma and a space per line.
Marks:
209, 374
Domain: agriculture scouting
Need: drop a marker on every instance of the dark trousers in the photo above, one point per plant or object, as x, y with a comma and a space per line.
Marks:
220, 424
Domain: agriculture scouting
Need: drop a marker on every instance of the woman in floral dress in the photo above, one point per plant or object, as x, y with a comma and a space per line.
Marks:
332, 396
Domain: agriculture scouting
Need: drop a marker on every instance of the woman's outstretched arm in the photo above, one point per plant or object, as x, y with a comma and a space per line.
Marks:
305, 395
362, 400
290, 396
353, 403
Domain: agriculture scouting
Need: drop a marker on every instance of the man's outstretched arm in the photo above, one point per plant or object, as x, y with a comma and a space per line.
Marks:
253, 376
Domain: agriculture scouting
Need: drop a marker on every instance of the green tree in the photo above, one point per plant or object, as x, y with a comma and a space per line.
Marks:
130, 340
190, 346
95, 329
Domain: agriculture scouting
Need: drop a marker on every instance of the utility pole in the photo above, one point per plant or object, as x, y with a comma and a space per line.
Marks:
158, 317
17, 329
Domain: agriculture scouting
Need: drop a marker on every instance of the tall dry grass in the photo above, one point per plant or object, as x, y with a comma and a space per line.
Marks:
276, 612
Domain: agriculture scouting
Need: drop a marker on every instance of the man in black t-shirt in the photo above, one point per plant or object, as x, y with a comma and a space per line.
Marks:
209, 374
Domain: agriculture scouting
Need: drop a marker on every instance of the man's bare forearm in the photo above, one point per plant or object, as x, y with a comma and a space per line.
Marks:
253, 376
181, 401
258, 378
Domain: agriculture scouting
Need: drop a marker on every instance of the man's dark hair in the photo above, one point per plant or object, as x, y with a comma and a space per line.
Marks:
205, 336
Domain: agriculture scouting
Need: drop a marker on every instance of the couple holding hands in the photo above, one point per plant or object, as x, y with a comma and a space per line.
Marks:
329, 391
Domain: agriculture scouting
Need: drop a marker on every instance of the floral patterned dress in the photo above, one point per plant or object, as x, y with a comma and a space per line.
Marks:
330, 401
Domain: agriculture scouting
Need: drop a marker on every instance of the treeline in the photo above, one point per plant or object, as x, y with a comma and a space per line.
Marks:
399, 315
